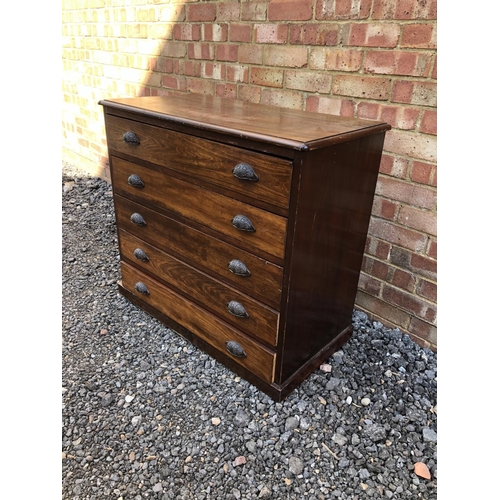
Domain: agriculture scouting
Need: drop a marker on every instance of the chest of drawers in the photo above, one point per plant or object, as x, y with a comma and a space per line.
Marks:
242, 226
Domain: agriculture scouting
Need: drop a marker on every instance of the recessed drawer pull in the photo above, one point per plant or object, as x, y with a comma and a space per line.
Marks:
236, 309
235, 349
141, 288
131, 138
135, 181
138, 219
245, 172
243, 223
140, 254
237, 267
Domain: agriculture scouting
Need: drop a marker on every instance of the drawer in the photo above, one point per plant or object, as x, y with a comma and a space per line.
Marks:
256, 358
247, 272
259, 230
206, 160
224, 301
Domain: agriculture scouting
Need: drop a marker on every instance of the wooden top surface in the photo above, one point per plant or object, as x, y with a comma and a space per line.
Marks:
287, 127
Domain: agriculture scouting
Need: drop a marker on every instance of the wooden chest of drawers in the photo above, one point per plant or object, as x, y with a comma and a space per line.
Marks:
242, 226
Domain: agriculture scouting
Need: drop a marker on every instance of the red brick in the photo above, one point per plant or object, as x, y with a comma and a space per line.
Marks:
423, 173
331, 105
372, 35
415, 92
384, 208
422, 220
237, 73
228, 11
397, 235
386, 313
227, 52
394, 166
174, 49
226, 90
268, 77
213, 71
425, 266
404, 9
394, 62
403, 299
201, 12
423, 333
254, 11
427, 290
379, 269
428, 124
406, 192
192, 68
201, 51
270, 33
378, 248
368, 110
399, 117
240, 32
365, 87
432, 249
314, 34
330, 10
290, 10
282, 98
308, 81
369, 284
251, 54
187, 32
198, 86
403, 279
215, 32
250, 94
336, 59
421, 36
291, 57
174, 82
412, 144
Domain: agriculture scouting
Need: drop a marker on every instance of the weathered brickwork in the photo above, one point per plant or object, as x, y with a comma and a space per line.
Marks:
372, 59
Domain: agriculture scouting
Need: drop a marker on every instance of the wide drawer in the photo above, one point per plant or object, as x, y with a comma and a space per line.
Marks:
240, 310
259, 278
206, 160
259, 230
254, 357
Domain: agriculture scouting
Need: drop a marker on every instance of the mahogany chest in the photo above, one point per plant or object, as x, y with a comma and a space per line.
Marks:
242, 226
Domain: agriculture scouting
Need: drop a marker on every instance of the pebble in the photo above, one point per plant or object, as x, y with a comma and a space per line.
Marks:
295, 465
316, 444
365, 401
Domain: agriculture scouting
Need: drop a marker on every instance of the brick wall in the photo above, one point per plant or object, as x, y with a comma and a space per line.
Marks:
373, 59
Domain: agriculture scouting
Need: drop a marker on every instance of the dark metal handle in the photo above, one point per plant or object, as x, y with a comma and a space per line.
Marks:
140, 254
235, 349
243, 223
141, 288
236, 309
237, 267
131, 138
245, 172
136, 181
138, 219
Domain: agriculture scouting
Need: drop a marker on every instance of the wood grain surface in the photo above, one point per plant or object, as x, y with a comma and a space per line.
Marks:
259, 359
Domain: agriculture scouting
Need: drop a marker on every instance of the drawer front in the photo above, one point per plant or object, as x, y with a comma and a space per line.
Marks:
203, 251
259, 231
257, 359
206, 160
240, 310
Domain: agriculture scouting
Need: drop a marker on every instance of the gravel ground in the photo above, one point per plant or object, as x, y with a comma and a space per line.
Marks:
147, 415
